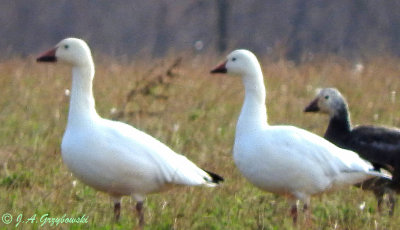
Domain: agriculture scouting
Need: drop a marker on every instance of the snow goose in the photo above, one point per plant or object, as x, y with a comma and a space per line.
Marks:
379, 145
112, 156
285, 160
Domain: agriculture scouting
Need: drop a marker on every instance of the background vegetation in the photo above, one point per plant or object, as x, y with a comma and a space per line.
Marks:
350, 28
176, 100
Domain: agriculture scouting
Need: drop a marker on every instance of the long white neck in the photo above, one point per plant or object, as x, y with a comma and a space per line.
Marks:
82, 106
254, 113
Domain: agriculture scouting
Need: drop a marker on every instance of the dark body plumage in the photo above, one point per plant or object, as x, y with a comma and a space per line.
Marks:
379, 145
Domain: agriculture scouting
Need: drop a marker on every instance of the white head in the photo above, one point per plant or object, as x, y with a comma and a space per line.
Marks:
241, 62
72, 51
328, 100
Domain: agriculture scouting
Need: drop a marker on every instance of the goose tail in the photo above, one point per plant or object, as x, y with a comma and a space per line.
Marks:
215, 178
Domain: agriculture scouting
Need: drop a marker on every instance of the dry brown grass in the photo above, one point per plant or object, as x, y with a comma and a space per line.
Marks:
195, 114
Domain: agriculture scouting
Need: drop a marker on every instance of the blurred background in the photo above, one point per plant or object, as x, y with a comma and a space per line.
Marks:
153, 59
294, 29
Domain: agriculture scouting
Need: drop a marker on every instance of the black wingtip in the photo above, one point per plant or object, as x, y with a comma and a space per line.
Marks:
215, 177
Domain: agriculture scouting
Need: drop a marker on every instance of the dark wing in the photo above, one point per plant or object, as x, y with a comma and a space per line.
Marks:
379, 145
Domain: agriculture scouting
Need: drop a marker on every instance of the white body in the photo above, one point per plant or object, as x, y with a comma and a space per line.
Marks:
118, 159
290, 161
112, 156
284, 159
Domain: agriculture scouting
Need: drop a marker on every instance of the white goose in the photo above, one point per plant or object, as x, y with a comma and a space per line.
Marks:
284, 159
112, 156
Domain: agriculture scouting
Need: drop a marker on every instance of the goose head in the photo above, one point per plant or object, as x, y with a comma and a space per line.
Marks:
72, 51
239, 62
328, 100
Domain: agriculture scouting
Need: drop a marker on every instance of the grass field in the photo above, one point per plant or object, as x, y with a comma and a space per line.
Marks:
181, 104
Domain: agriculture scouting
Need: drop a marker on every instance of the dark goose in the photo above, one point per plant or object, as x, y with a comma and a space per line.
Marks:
377, 144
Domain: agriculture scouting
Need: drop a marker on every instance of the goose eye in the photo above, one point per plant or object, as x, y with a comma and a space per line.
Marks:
233, 59
326, 97
66, 47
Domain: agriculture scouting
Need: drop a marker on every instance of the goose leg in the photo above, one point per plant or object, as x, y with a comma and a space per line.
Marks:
139, 210
117, 208
307, 211
293, 212
392, 201
379, 197
117, 211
